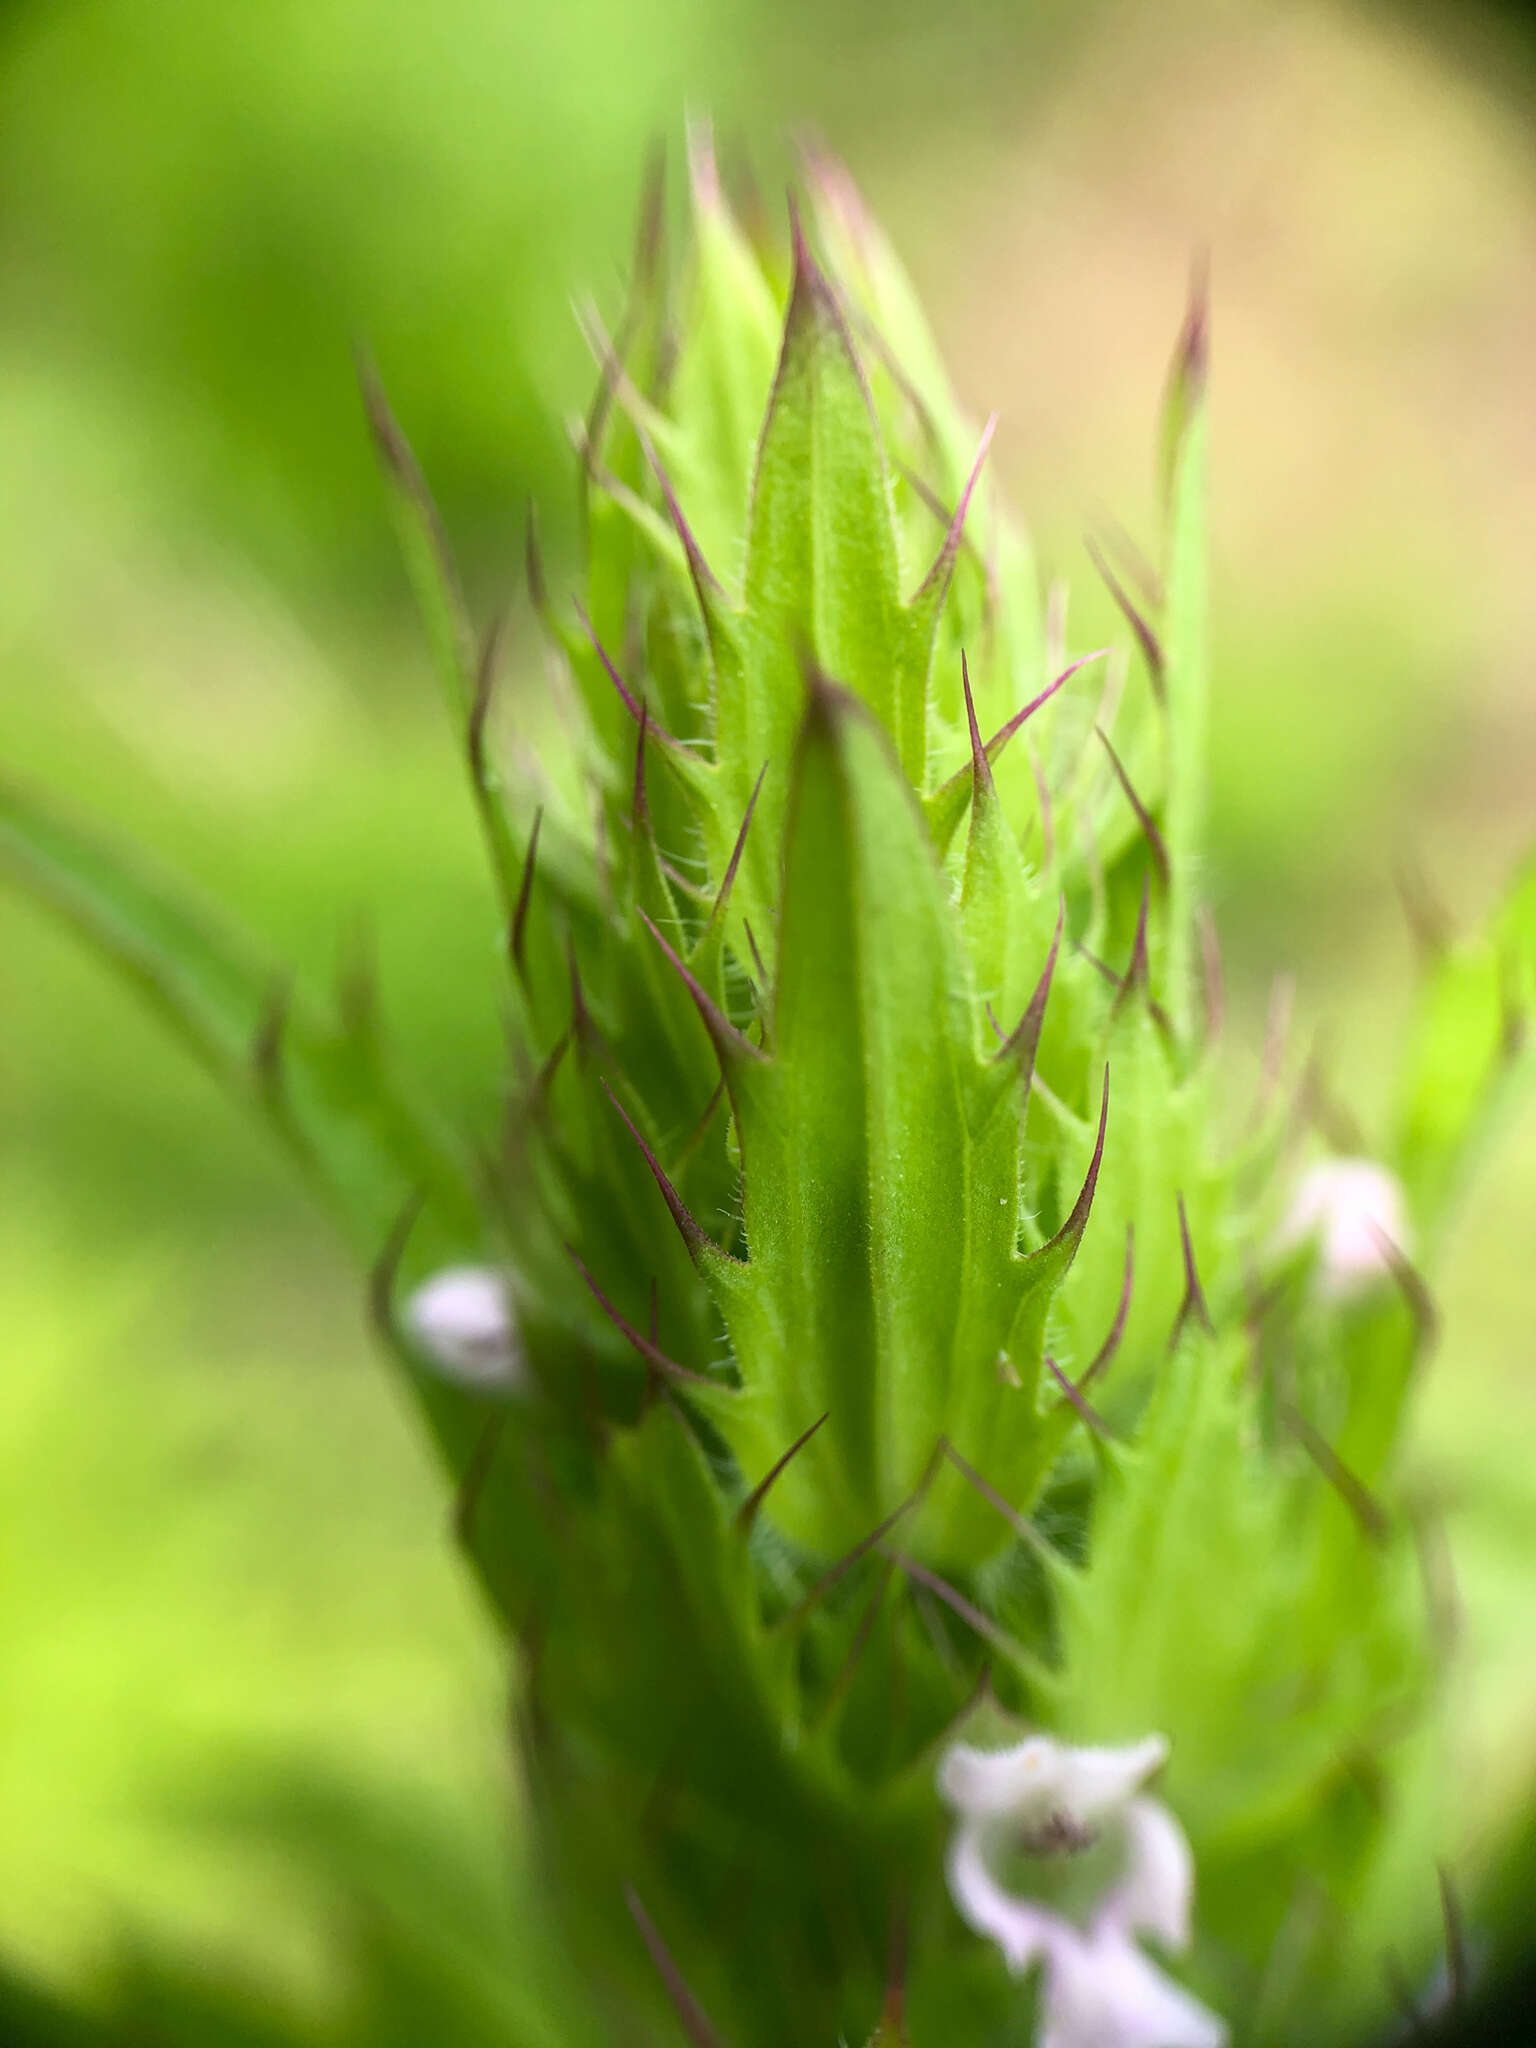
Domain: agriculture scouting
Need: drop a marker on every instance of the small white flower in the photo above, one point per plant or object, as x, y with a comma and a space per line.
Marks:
462, 1320
1356, 1211
1046, 1813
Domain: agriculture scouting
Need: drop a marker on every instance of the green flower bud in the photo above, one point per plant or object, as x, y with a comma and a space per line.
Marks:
908, 1327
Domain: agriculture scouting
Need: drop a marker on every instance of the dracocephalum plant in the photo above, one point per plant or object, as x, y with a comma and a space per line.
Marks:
944, 1504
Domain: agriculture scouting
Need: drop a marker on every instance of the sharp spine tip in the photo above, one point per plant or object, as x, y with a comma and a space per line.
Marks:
639, 815
1138, 973
1111, 1343
747, 1513
1195, 340
386, 1267
937, 579
1024, 1042
486, 666
699, 1243
1020, 718
267, 1039
1076, 1399
1149, 828
654, 1357
717, 912
1146, 639
1070, 1234
695, 2022
385, 428
981, 768
1194, 1303
732, 1047
517, 939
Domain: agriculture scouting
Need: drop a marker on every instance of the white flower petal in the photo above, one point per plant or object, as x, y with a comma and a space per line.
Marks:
1040, 1778
1021, 1930
1095, 1782
462, 1321
1098, 1989
1354, 1208
1153, 1894
1102, 1992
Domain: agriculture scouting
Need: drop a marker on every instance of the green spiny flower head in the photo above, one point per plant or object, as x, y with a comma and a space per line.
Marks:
869, 1158
912, 954
945, 1506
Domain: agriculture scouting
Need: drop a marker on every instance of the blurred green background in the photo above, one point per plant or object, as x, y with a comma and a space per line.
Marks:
254, 1777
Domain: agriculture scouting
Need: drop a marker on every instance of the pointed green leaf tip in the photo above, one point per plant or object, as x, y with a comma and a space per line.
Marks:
881, 1190
1186, 645
728, 342
822, 568
423, 543
1187, 376
327, 1092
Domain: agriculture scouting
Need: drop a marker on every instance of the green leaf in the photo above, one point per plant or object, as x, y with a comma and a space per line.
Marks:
657, 1009
1008, 916
1185, 393
822, 573
1469, 1053
720, 383
864, 262
466, 671
1186, 657
653, 1642
881, 1176
325, 1091
428, 561
1157, 1155
914, 393
1230, 1604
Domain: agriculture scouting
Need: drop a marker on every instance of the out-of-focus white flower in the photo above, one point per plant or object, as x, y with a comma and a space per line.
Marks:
1047, 1813
1356, 1211
462, 1322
